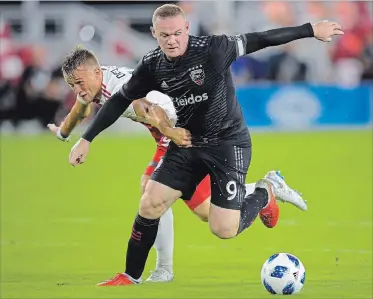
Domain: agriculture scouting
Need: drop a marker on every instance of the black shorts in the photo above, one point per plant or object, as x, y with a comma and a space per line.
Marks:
183, 168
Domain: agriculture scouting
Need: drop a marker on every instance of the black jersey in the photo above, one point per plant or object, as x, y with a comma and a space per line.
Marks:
201, 87
199, 83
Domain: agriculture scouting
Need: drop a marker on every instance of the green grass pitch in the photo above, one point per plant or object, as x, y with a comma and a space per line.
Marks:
64, 229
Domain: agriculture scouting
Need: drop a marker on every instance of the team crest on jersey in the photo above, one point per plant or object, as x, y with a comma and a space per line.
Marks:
197, 74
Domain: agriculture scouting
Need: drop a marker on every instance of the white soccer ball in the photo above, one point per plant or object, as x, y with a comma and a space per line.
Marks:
283, 274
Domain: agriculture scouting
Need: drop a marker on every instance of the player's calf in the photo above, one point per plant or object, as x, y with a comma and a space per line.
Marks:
199, 203
202, 210
156, 199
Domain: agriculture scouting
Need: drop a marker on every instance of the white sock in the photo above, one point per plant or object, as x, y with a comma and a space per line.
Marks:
164, 242
250, 188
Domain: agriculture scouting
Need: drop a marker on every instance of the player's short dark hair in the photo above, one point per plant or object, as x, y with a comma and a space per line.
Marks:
167, 10
76, 58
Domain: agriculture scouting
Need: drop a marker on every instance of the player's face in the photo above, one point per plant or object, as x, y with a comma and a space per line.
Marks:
172, 35
86, 82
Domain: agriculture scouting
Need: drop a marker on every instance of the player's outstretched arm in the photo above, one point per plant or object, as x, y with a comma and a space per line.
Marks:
323, 31
107, 115
225, 49
76, 115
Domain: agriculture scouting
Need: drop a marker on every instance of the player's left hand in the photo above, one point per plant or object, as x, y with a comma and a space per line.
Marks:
152, 116
325, 30
79, 152
181, 137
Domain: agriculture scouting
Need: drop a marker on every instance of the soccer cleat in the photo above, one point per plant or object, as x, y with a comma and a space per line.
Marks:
271, 212
283, 192
160, 275
120, 279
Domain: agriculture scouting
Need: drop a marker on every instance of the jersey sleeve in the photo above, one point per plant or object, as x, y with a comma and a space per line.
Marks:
226, 49
141, 82
120, 77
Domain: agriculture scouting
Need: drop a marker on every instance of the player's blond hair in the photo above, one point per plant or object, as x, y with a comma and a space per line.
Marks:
79, 56
166, 11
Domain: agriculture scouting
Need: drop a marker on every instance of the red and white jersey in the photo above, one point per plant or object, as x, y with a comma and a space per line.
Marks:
113, 80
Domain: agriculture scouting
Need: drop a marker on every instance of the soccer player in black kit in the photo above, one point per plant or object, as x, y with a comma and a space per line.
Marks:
194, 72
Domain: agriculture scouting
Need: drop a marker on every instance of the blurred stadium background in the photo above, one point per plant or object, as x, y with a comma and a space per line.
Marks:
308, 105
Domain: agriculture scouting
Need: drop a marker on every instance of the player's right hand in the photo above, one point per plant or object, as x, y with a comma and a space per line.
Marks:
181, 137
326, 30
57, 132
53, 128
79, 152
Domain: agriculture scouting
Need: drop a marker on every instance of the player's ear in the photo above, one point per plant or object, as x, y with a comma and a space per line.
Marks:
187, 26
97, 70
152, 31
98, 73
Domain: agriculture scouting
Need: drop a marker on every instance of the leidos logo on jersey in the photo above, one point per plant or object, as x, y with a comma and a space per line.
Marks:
190, 100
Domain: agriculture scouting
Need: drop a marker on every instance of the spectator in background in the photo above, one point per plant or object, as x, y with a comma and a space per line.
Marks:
316, 56
11, 65
195, 26
37, 94
120, 45
347, 51
284, 66
11, 68
367, 60
279, 12
247, 69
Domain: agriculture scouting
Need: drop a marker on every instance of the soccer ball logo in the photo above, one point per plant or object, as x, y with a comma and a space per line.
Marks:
284, 274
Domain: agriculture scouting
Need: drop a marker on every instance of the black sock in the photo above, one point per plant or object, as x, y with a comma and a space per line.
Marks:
251, 207
144, 232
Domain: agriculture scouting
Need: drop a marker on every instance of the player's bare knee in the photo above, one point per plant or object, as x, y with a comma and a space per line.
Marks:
224, 231
224, 222
151, 206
